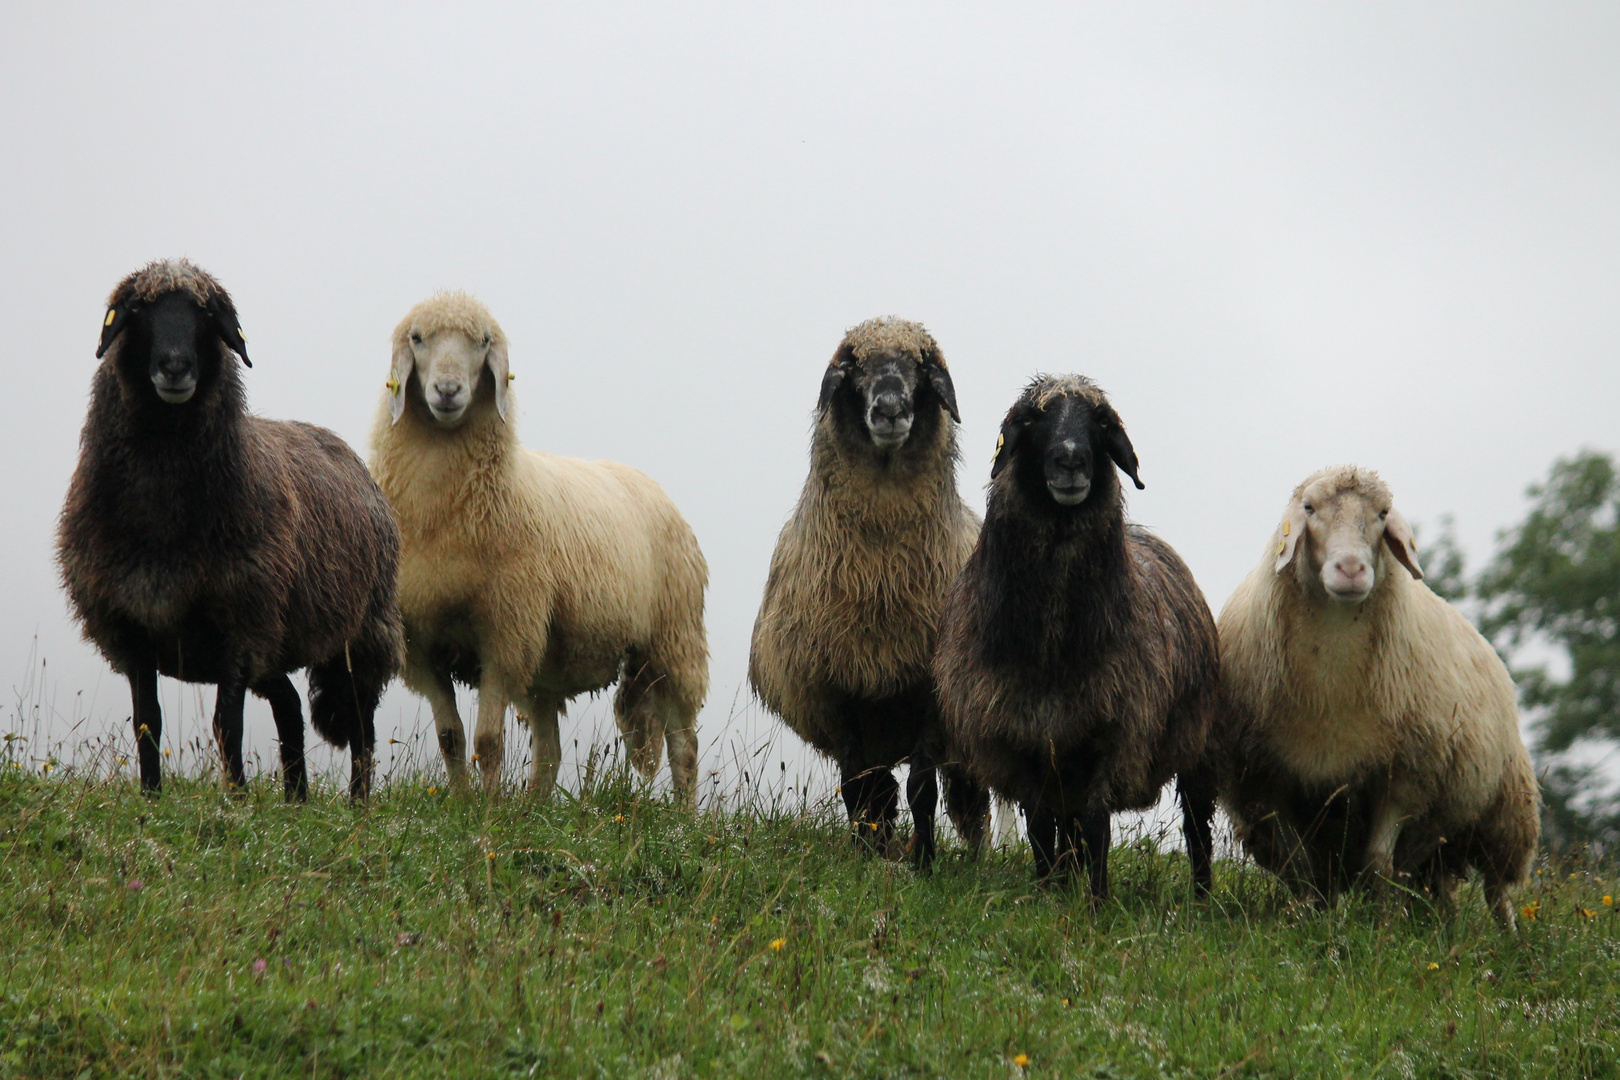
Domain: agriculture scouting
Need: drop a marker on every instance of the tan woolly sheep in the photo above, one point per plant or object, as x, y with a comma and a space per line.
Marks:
533, 577
1368, 731
846, 629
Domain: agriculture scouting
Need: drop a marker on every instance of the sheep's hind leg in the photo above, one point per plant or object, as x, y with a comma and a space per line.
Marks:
288, 711
968, 806
1196, 788
489, 737
1096, 833
545, 746
922, 797
228, 728
147, 720
635, 708
872, 798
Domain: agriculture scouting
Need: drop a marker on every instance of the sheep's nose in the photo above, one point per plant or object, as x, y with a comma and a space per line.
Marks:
1071, 456
173, 363
889, 406
1351, 568
447, 388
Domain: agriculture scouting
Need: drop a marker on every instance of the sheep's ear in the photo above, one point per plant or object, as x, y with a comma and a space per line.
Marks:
496, 358
1398, 538
940, 380
221, 311
1120, 449
1288, 535
834, 378
398, 375
1006, 445
113, 325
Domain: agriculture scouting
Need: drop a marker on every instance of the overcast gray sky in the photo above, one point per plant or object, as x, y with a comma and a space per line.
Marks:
1280, 235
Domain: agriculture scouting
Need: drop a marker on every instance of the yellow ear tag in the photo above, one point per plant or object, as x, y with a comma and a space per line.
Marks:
510, 376
1001, 440
241, 335
393, 386
1282, 547
1286, 523
110, 315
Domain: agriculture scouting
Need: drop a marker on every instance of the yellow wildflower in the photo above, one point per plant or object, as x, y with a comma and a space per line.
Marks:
1434, 966
433, 791
776, 946
489, 854
1531, 910
619, 818
1021, 1060
1608, 901
1588, 912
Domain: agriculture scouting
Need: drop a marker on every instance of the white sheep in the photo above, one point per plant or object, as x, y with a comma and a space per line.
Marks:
533, 577
1368, 732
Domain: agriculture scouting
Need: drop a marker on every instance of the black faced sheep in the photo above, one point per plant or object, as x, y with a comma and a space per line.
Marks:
1368, 732
847, 627
533, 577
212, 546
1077, 662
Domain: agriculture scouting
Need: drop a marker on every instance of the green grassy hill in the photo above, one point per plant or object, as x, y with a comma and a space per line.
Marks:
611, 935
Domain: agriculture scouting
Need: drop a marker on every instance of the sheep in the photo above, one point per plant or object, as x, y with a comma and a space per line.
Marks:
1077, 662
533, 577
212, 546
846, 628
1367, 731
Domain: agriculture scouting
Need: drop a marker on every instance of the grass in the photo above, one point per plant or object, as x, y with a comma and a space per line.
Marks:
610, 934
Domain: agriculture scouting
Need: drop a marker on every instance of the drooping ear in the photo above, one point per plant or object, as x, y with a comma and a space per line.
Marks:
940, 379
1288, 534
834, 378
1120, 448
1012, 430
400, 373
1398, 538
223, 314
497, 360
118, 317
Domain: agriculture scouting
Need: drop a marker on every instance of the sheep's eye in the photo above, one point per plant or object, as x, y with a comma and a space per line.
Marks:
486, 341
1383, 515
416, 339
1309, 509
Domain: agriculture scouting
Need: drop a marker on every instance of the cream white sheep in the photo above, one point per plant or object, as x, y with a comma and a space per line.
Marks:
533, 577
1368, 731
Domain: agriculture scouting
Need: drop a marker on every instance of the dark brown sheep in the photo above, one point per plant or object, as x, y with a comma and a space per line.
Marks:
1077, 664
847, 626
212, 546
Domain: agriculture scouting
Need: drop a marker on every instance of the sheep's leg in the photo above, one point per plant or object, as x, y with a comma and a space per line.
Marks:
1006, 821
545, 747
228, 727
362, 750
288, 711
1378, 863
1196, 788
680, 732
1500, 902
489, 737
1043, 838
636, 709
147, 720
922, 797
968, 805
441, 694
872, 798
1096, 833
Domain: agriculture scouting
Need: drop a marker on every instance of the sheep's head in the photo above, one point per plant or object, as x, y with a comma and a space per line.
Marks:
1336, 528
887, 385
444, 351
1062, 440
173, 319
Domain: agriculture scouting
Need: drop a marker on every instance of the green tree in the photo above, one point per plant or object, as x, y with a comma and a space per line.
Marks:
1554, 586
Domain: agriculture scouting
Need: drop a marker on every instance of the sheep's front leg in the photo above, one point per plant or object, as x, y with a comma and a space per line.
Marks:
228, 728
680, 733
1378, 864
489, 737
441, 694
545, 745
147, 720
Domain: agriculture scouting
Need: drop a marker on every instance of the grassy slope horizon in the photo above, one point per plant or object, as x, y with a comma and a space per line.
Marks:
607, 933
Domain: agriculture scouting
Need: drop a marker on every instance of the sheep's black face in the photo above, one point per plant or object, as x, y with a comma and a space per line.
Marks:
884, 402
1062, 445
176, 338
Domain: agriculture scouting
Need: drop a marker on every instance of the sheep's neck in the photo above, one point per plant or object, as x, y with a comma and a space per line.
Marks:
444, 479
1060, 599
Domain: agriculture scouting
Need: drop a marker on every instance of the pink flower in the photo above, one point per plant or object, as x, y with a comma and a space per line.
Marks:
259, 965
136, 884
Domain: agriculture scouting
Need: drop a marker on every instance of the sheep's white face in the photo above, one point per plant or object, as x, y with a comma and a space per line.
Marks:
1345, 528
448, 367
